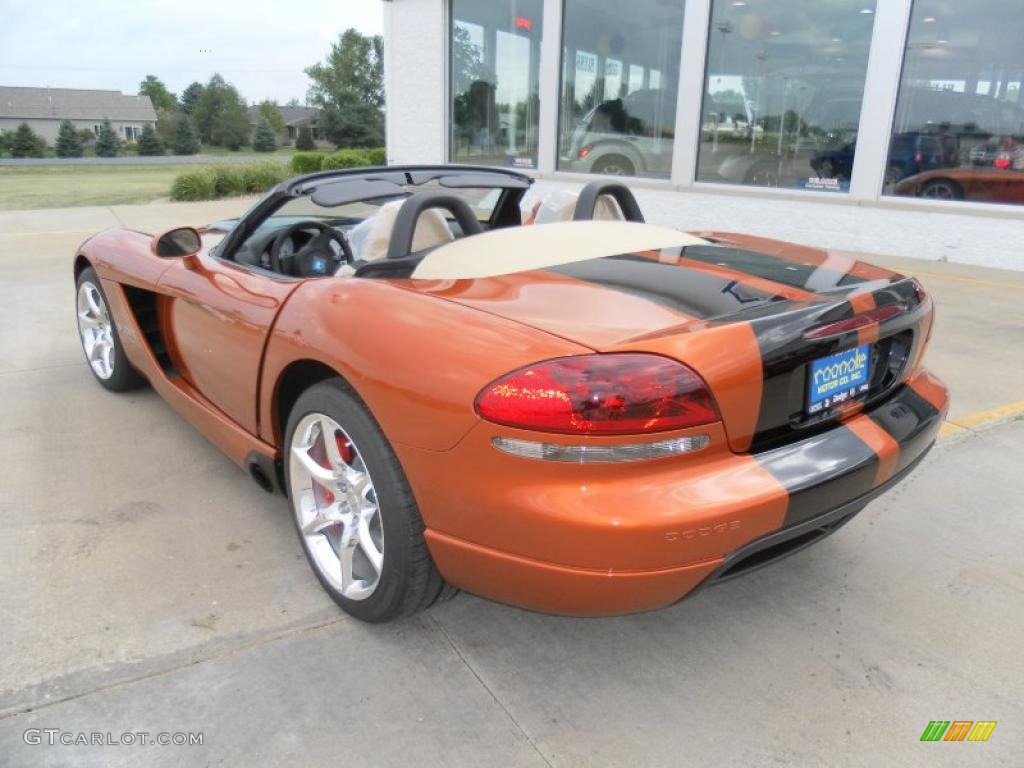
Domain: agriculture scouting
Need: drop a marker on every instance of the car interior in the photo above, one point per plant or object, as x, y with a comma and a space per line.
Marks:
382, 224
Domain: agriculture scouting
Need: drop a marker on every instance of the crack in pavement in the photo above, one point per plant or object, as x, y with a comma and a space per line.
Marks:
486, 687
10, 712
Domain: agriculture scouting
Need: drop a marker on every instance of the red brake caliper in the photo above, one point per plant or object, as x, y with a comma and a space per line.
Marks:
345, 449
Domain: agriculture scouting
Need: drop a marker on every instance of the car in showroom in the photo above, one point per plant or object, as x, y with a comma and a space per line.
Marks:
627, 136
588, 416
975, 183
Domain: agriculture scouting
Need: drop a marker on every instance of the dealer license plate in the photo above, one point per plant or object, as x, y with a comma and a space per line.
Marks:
837, 378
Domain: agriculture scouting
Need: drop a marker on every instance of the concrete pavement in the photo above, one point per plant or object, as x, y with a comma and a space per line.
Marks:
150, 586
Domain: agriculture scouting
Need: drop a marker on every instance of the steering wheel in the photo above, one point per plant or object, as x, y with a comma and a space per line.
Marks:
315, 258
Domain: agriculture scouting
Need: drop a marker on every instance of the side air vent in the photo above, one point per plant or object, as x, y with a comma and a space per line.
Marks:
143, 305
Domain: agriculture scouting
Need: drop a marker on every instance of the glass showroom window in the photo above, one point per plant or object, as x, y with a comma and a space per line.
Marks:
782, 98
959, 130
495, 65
620, 76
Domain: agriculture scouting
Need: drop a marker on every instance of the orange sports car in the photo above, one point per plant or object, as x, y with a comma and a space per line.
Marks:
586, 415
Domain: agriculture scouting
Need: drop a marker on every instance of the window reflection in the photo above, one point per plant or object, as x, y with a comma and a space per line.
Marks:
959, 129
782, 98
495, 64
620, 75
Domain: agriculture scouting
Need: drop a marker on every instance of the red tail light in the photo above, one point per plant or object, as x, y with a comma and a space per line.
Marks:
614, 394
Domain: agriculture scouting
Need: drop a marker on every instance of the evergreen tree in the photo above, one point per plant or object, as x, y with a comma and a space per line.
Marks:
186, 142
190, 96
108, 143
69, 143
304, 142
26, 143
263, 139
149, 142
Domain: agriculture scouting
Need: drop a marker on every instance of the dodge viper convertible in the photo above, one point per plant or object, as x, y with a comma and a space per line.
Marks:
575, 412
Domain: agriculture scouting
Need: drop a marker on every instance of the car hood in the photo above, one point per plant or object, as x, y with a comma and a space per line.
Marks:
619, 300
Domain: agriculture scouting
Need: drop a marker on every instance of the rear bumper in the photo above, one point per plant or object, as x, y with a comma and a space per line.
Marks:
613, 539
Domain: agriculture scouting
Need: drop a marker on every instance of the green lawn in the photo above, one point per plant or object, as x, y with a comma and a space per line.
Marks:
65, 186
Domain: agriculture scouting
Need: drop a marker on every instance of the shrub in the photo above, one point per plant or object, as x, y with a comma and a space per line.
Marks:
213, 182
307, 162
194, 185
149, 142
228, 180
259, 177
27, 143
130, 148
69, 143
263, 139
345, 158
377, 156
108, 144
304, 141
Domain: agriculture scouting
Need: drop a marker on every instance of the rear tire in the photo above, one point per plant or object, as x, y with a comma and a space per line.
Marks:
614, 165
99, 338
942, 189
354, 511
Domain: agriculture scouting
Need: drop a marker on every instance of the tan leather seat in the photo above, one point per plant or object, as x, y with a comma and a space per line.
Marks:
371, 245
560, 205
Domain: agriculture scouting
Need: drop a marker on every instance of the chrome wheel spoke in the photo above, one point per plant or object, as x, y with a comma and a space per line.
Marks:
322, 475
369, 546
331, 445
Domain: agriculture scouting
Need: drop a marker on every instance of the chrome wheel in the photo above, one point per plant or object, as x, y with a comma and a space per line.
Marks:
335, 506
941, 190
96, 330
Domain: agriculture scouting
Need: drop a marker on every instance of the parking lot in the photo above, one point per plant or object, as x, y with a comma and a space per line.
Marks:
149, 585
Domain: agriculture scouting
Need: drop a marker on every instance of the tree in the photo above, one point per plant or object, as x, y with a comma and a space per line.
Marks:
293, 102
158, 93
108, 143
185, 141
221, 116
263, 139
26, 143
149, 142
167, 125
352, 124
5, 141
69, 143
190, 97
269, 111
304, 142
348, 86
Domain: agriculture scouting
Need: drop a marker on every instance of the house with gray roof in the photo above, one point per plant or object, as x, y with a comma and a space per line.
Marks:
44, 108
294, 119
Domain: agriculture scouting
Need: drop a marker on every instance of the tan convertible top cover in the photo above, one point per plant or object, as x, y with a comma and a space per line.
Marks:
520, 249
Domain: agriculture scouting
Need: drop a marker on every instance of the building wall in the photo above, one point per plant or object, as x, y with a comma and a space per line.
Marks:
415, 79
862, 218
48, 128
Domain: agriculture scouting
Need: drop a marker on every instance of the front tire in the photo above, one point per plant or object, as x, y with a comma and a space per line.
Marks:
353, 508
98, 335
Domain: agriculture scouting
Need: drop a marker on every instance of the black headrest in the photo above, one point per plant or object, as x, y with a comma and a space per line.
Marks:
619, 192
407, 216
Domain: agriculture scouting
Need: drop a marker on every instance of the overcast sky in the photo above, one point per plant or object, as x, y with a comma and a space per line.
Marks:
261, 46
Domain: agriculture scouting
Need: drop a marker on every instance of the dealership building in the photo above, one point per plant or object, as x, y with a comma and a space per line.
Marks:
903, 109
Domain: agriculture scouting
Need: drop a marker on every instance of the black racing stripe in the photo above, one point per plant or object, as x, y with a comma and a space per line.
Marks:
911, 421
821, 472
690, 291
793, 273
